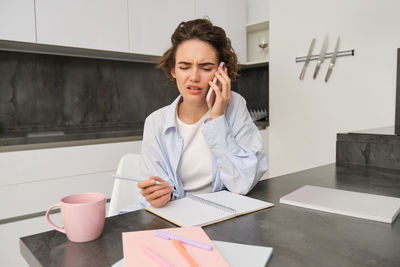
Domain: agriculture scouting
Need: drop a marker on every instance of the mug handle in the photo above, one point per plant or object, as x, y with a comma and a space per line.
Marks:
62, 230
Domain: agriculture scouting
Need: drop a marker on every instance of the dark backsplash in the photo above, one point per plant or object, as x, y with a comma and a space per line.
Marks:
253, 85
48, 92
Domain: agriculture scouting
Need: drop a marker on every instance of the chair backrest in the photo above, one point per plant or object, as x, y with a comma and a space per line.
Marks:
125, 192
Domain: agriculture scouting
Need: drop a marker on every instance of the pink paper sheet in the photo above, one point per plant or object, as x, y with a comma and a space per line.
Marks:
134, 256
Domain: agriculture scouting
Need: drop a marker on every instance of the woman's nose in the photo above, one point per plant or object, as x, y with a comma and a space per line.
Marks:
195, 75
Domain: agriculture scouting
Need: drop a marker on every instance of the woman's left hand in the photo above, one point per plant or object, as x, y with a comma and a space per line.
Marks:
222, 93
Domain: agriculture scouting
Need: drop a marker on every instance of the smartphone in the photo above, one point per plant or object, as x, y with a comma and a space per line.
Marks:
210, 98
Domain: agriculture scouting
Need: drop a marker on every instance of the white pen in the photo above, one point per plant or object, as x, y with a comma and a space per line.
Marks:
130, 178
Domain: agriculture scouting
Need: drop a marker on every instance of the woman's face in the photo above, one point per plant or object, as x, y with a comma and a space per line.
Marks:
195, 64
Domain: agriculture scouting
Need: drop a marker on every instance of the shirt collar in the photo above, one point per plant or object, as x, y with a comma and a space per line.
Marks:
170, 115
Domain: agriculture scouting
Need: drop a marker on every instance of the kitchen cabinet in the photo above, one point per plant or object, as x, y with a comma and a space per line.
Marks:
257, 10
11, 232
32, 180
17, 20
95, 24
152, 22
135, 26
230, 15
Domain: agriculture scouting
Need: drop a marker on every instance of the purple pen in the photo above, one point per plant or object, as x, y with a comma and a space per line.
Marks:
183, 240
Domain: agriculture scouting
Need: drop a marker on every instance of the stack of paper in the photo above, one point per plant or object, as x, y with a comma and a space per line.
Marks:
239, 255
233, 254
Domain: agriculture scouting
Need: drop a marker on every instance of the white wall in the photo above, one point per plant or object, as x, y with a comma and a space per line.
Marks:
306, 115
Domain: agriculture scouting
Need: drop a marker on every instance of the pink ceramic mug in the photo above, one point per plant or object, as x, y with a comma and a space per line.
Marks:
83, 216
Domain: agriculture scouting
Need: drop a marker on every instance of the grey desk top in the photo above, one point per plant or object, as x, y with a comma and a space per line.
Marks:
300, 237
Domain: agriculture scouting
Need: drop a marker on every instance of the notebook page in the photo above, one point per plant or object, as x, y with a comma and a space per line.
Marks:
239, 255
241, 204
188, 212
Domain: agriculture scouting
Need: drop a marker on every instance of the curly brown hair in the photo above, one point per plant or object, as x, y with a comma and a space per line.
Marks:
203, 30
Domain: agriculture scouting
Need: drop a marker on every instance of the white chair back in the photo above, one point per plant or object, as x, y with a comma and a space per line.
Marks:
125, 191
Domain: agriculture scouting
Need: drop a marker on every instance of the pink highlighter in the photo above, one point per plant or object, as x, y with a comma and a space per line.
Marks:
210, 98
155, 257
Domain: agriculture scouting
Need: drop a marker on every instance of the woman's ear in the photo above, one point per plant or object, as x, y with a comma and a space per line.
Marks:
173, 73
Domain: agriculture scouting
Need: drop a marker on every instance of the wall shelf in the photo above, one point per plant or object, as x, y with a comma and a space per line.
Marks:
253, 64
256, 26
258, 41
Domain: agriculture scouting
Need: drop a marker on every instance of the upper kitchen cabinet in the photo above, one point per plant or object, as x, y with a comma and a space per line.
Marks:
17, 20
95, 24
152, 22
257, 11
230, 15
257, 31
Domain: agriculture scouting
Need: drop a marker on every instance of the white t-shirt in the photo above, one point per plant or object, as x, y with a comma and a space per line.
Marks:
194, 168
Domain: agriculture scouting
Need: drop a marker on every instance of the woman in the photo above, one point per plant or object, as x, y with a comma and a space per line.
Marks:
189, 147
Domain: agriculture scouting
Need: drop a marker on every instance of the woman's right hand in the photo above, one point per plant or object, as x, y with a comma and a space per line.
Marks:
156, 194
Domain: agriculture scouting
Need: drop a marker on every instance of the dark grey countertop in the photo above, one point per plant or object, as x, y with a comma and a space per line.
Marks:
377, 131
300, 237
37, 136
49, 138
383, 135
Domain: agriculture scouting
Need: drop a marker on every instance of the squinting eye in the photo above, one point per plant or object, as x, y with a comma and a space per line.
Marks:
183, 68
206, 69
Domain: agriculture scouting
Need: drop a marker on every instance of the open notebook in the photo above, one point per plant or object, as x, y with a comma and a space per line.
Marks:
208, 208
360, 205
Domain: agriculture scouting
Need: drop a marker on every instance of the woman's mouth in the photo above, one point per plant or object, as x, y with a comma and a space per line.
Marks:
194, 90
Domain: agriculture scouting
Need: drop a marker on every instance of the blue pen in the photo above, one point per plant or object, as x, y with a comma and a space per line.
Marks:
183, 240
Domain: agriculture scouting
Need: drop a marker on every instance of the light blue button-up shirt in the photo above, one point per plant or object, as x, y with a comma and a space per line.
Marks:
237, 154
